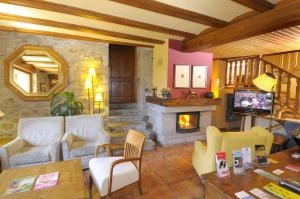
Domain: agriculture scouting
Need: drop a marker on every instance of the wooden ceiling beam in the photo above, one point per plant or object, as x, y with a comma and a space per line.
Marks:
27, 68
86, 29
61, 8
69, 36
278, 18
258, 5
162, 8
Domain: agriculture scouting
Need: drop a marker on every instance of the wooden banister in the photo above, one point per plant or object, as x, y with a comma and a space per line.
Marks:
296, 107
288, 91
243, 70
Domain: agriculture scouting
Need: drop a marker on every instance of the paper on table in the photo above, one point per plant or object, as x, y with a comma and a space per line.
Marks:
278, 171
243, 195
260, 194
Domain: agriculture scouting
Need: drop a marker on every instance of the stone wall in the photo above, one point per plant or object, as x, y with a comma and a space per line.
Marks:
144, 73
79, 55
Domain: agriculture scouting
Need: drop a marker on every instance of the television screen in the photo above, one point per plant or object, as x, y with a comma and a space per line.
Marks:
253, 100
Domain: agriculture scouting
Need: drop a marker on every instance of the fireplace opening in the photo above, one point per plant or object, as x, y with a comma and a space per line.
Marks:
187, 122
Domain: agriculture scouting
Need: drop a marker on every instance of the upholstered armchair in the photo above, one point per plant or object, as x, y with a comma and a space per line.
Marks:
38, 142
83, 133
204, 155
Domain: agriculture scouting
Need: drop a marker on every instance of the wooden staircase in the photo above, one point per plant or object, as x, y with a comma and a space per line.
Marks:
241, 71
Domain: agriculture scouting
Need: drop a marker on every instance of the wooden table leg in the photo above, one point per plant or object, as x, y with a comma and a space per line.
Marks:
243, 119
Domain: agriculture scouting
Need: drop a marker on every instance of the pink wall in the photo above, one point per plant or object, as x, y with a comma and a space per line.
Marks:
196, 58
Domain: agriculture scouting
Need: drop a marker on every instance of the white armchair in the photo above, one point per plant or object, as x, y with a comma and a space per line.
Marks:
38, 142
83, 133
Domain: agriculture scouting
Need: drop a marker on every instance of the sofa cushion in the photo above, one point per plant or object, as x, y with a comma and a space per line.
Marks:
123, 174
29, 155
85, 127
41, 131
83, 148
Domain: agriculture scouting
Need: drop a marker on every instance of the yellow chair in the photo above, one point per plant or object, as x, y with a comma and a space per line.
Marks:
204, 156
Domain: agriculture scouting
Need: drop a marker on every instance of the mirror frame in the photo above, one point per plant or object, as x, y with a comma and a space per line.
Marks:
35, 97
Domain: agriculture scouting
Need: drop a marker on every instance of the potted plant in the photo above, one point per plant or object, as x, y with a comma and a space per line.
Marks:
65, 104
166, 93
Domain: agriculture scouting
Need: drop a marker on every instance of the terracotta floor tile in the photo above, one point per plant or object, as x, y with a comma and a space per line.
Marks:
170, 175
150, 181
187, 189
161, 192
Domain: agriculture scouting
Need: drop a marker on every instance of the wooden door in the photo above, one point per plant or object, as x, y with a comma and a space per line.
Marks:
122, 74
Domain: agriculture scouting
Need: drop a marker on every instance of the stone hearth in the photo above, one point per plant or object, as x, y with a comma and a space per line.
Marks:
163, 120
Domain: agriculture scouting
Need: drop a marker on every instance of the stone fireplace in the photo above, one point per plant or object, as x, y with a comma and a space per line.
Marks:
178, 121
187, 122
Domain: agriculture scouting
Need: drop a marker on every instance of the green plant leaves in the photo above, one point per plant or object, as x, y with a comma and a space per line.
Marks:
65, 104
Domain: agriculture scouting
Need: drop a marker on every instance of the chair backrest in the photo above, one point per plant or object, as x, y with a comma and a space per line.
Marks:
85, 127
134, 145
41, 131
230, 141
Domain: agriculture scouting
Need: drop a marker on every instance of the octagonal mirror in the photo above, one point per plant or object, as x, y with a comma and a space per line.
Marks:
35, 72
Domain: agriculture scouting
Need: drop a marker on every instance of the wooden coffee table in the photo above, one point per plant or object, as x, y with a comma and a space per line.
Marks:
225, 188
70, 181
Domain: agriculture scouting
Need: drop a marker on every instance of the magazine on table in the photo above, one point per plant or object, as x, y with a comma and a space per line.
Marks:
46, 180
21, 185
221, 164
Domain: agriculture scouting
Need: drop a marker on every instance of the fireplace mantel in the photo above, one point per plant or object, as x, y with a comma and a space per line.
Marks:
180, 102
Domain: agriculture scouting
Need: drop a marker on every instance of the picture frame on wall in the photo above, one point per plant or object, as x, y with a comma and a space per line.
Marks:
182, 76
199, 76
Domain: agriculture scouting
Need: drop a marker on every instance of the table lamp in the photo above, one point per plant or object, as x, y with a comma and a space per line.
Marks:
99, 99
266, 82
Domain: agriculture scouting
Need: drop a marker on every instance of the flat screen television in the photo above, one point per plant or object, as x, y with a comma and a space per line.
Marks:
253, 101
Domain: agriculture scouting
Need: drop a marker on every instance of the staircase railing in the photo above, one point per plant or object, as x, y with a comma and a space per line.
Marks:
241, 71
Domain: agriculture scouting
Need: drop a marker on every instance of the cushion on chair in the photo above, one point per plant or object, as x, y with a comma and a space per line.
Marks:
84, 127
29, 155
123, 174
83, 148
41, 131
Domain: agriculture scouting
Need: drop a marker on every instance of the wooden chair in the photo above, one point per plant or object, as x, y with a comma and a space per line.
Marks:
110, 174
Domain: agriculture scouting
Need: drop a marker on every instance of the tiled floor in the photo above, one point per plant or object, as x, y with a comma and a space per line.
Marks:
167, 173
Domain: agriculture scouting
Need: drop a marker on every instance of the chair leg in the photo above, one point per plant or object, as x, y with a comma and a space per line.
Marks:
203, 184
140, 187
90, 186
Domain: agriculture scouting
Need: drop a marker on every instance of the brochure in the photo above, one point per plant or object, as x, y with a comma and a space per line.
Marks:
261, 157
221, 164
238, 163
292, 167
21, 185
46, 180
247, 160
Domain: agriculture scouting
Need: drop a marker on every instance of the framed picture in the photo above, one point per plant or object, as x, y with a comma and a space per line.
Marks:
199, 76
182, 76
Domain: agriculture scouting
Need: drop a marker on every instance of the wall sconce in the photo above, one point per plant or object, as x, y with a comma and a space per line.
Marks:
2, 114
99, 99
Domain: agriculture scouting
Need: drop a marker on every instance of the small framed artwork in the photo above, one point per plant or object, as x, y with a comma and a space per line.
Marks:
182, 76
199, 76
